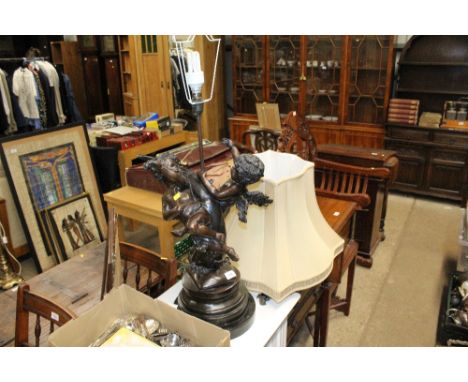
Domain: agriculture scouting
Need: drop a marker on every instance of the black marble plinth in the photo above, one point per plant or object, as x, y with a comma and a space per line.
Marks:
228, 304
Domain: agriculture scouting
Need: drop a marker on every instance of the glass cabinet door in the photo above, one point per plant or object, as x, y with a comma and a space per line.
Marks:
248, 54
284, 72
323, 72
368, 78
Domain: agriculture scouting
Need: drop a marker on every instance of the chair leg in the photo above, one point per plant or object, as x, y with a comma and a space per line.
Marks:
317, 323
349, 286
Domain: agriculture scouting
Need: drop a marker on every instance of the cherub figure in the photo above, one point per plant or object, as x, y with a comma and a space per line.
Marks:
201, 200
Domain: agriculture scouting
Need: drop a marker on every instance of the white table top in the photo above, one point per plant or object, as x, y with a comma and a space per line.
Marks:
268, 317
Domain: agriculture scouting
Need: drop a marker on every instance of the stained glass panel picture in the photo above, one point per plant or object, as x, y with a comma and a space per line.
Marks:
52, 175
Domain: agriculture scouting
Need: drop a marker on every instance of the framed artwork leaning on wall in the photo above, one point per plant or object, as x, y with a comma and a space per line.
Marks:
73, 226
46, 169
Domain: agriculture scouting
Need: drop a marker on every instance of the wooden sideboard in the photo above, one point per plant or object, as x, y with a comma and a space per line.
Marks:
433, 161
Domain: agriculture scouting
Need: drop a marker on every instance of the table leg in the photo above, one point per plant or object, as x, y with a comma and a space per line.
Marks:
324, 307
384, 213
166, 240
349, 286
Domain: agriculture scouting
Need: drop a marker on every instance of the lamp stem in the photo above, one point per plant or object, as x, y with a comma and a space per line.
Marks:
198, 109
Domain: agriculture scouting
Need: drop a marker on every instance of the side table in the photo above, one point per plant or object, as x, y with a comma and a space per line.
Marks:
146, 207
270, 322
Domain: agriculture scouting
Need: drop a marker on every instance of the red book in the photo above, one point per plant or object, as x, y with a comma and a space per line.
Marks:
402, 107
401, 120
402, 115
403, 101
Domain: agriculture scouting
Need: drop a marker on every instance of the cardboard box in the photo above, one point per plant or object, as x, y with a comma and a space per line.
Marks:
123, 301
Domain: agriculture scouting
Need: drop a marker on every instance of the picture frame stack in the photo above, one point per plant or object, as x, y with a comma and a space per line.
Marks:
53, 182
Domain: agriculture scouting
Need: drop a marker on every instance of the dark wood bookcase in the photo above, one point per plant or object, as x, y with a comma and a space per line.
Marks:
433, 161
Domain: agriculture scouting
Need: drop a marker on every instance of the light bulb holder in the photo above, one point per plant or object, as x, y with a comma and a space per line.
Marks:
193, 77
195, 81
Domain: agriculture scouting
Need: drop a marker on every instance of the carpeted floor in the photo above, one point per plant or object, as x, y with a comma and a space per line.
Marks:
397, 301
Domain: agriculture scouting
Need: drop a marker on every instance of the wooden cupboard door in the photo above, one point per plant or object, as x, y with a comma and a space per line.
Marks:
412, 164
284, 71
93, 82
369, 72
248, 72
447, 171
114, 93
323, 76
154, 85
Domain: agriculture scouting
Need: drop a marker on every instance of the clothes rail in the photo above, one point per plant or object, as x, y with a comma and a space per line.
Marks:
21, 59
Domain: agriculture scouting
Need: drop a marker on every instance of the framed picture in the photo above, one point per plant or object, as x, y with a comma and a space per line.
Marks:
88, 43
73, 226
45, 169
108, 45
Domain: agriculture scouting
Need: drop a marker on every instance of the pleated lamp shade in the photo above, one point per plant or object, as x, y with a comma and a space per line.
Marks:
288, 245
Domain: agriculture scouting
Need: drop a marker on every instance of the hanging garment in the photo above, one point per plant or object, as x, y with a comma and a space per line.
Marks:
3, 118
24, 87
21, 121
52, 118
75, 115
54, 81
41, 101
63, 94
178, 86
7, 104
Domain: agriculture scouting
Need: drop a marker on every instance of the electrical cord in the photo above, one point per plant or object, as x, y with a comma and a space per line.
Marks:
4, 243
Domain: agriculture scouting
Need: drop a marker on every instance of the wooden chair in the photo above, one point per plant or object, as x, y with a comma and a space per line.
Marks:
296, 137
263, 139
28, 302
344, 181
160, 273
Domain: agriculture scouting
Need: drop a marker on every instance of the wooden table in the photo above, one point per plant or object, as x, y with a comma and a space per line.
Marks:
74, 284
146, 207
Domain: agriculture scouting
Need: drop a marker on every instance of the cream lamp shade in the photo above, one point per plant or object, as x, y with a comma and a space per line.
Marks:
287, 246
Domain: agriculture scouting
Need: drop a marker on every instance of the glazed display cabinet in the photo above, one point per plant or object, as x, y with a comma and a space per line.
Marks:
340, 84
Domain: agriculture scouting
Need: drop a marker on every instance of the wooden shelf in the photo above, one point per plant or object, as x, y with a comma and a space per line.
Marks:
422, 63
425, 91
336, 94
366, 96
244, 84
286, 66
369, 69
244, 66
